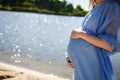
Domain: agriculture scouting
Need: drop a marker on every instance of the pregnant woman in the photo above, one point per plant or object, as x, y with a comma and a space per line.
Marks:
90, 47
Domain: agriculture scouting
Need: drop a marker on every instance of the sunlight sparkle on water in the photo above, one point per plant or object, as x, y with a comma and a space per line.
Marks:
50, 62
15, 55
16, 27
45, 20
17, 46
30, 56
34, 38
65, 53
41, 44
14, 50
18, 54
8, 27
3, 41
1, 34
19, 50
12, 56
17, 61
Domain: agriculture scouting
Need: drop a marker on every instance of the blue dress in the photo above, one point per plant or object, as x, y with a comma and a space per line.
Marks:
91, 62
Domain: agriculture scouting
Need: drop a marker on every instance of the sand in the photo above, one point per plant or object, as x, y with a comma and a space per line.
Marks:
10, 72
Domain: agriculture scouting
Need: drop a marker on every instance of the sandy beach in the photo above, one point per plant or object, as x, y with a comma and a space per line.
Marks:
10, 72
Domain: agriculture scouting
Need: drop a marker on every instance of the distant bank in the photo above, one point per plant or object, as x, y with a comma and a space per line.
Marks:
41, 11
54, 7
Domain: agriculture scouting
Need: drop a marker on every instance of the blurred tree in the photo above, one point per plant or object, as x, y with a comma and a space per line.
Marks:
27, 4
69, 8
1, 1
78, 7
54, 5
12, 2
57, 6
41, 3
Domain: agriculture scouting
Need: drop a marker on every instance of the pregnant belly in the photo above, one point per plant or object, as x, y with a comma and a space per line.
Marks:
85, 59
82, 49
78, 45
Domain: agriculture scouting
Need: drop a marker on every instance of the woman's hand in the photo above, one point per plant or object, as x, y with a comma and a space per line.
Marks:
94, 40
76, 33
69, 62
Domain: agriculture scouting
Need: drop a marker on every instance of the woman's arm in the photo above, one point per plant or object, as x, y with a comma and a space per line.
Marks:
96, 41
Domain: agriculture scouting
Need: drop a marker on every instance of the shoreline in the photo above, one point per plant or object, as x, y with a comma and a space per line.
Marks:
39, 66
10, 72
37, 13
45, 12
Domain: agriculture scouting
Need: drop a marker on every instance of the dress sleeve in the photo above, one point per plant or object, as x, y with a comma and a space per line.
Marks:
110, 40
110, 37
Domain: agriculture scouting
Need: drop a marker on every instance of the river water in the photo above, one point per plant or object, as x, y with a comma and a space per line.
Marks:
29, 38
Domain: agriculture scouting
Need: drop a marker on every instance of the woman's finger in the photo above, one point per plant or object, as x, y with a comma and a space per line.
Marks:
69, 62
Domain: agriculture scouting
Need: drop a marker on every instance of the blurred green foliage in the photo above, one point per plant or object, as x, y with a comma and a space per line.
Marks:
1, 6
43, 6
